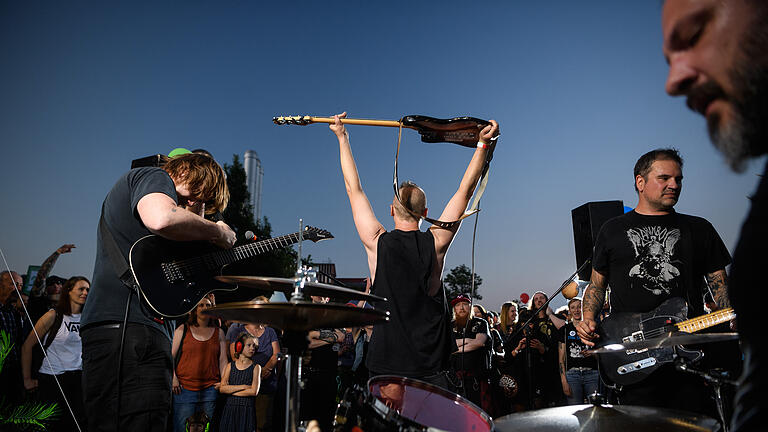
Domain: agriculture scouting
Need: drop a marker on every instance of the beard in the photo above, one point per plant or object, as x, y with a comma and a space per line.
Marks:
746, 136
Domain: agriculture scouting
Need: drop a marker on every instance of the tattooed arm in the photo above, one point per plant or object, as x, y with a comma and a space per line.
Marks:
717, 282
45, 268
591, 305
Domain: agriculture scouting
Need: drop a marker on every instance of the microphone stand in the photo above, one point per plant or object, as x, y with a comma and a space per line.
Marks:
523, 327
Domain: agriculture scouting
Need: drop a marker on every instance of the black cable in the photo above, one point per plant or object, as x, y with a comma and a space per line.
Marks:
120, 357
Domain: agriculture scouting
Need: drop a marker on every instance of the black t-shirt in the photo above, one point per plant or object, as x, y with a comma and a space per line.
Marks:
108, 296
416, 341
476, 360
574, 347
649, 259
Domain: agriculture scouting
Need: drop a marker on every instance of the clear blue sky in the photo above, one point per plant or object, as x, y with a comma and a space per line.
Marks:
85, 87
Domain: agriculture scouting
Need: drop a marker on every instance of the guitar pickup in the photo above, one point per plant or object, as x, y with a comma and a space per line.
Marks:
634, 337
636, 366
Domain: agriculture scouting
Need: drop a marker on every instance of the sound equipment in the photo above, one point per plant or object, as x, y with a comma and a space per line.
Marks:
587, 220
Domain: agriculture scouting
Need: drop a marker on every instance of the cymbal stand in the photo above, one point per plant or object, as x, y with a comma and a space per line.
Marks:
717, 379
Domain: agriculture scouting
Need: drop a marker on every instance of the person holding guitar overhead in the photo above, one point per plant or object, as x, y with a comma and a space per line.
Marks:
655, 261
406, 267
127, 368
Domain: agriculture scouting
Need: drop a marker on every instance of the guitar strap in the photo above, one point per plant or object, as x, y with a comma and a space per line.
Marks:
482, 183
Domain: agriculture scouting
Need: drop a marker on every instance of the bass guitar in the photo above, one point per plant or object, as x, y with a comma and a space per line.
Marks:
174, 276
626, 367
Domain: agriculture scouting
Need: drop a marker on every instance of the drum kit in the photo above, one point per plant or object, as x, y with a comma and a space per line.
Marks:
393, 403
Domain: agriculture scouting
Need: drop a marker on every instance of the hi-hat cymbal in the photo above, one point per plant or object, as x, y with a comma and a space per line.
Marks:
589, 418
669, 339
285, 285
297, 316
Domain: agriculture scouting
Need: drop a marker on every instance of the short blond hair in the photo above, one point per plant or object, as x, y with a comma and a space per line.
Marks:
204, 178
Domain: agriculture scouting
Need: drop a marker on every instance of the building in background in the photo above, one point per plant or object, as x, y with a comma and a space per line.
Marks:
254, 174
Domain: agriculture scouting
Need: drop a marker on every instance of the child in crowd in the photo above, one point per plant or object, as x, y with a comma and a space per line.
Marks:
240, 380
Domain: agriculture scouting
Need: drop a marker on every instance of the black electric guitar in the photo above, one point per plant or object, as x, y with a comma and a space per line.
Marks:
174, 276
626, 367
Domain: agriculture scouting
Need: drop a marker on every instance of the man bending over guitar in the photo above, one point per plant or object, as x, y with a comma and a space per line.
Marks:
406, 266
649, 256
126, 382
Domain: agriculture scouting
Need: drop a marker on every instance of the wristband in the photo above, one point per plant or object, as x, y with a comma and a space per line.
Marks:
482, 145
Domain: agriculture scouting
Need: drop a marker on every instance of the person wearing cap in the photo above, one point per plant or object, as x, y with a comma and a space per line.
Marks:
46, 289
471, 361
406, 267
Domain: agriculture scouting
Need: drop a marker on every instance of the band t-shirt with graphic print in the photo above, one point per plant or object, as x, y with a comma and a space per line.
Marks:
649, 259
574, 349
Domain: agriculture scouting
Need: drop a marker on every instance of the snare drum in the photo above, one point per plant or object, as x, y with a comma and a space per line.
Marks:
427, 405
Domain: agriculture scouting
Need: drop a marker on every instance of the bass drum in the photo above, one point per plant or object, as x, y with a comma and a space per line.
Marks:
427, 405
359, 411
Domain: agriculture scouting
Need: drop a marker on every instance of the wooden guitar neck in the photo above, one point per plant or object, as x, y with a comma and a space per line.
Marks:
705, 321
305, 120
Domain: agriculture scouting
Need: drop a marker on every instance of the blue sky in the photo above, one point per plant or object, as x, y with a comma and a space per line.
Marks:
577, 88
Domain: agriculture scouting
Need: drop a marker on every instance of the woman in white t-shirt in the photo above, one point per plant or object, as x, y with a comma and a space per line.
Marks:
63, 355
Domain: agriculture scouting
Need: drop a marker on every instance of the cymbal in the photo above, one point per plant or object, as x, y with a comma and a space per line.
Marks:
669, 339
589, 418
297, 316
285, 285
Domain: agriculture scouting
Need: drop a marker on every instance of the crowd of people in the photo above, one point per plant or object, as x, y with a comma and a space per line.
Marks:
229, 375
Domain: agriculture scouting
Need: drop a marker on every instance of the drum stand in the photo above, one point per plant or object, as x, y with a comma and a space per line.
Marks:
717, 379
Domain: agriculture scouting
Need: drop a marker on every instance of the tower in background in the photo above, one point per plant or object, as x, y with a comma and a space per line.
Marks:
254, 174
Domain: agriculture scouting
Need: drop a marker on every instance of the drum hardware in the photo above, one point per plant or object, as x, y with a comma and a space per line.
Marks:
310, 287
717, 378
603, 417
296, 318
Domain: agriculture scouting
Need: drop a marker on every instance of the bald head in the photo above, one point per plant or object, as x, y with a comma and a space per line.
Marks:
414, 198
7, 279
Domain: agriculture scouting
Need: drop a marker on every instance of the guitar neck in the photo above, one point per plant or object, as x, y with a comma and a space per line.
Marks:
705, 321
228, 256
305, 120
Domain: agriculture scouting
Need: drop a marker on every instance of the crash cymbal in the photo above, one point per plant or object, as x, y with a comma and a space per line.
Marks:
590, 418
297, 316
285, 285
669, 339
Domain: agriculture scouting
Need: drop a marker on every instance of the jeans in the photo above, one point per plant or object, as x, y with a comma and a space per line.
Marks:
189, 402
145, 378
583, 382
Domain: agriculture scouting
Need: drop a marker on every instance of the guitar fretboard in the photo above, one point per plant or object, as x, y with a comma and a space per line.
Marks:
705, 321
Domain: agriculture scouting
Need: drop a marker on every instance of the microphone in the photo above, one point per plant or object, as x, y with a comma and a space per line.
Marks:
249, 236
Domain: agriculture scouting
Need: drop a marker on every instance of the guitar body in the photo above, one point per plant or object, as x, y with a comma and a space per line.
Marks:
170, 289
632, 366
174, 276
464, 131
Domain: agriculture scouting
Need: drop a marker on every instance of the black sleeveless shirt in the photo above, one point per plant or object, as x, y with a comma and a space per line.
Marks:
415, 342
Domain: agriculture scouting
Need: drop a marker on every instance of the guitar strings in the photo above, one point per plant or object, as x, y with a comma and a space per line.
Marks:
17, 289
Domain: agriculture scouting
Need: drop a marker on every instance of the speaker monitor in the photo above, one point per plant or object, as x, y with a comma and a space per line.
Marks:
587, 220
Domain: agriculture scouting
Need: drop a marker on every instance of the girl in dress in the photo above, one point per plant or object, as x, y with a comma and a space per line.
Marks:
240, 380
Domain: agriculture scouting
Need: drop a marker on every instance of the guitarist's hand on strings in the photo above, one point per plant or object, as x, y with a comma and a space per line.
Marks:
586, 329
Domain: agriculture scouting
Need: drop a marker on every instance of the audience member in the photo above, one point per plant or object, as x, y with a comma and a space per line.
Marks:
578, 372
11, 324
59, 330
471, 361
200, 353
240, 381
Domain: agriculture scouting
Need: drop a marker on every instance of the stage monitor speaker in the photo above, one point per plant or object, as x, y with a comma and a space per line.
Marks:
587, 220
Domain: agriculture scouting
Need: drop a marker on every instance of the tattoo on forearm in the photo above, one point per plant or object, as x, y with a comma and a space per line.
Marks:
594, 299
42, 273
717, 283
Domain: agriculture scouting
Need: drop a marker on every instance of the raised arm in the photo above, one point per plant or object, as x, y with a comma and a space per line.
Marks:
591, 305
160, 214
368, 227
458, 203
45, 269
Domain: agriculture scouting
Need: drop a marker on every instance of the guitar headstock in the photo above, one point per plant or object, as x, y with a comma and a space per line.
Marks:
316, 234
293, 120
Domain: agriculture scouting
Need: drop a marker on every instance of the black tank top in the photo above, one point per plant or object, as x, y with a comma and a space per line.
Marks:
415, 342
